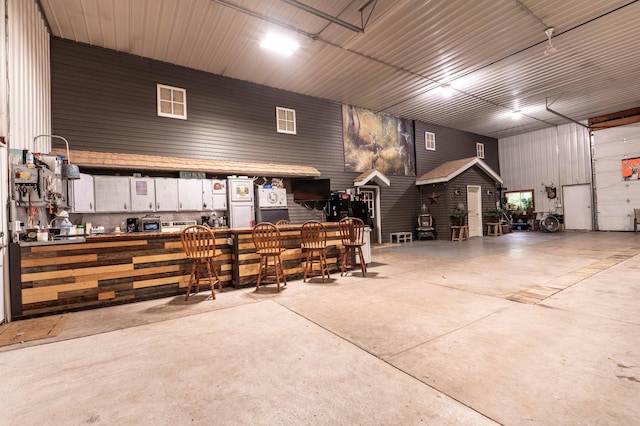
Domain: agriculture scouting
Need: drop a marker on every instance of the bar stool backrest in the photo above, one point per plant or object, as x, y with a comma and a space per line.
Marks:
266, 237
198, 241
351, 231
313, 235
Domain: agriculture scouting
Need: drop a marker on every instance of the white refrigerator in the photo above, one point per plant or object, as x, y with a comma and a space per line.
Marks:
241, 205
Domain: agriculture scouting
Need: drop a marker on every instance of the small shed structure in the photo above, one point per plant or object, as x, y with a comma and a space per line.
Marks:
469, 182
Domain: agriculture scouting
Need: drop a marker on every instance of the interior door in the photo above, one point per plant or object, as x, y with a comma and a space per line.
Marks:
371, 196
474, 204
578, 214
4, 240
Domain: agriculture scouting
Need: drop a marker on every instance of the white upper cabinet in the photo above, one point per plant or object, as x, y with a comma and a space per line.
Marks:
81, 195
190, 194
166, 194
143, 194
112, 194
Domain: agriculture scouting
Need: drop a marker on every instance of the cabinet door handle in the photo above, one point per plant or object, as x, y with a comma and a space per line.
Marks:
90, 205
150, 205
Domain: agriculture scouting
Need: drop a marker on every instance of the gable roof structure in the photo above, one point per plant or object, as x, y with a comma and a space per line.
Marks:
372, 175
447, 171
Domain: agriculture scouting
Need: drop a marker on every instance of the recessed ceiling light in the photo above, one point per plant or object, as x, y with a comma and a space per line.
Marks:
279, 44
516, 115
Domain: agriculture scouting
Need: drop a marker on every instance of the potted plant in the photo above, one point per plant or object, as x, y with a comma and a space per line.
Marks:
458, 214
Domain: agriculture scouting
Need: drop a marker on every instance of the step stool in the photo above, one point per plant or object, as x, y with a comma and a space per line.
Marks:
400, 237
494, 229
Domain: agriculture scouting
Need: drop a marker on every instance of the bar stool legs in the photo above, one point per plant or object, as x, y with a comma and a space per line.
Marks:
276, 270
319, 257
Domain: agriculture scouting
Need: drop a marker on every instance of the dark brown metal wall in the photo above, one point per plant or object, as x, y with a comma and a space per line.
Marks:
104, 100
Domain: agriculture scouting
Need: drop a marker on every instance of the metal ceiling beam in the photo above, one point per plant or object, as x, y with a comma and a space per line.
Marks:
266, 18
546, 102
324, 16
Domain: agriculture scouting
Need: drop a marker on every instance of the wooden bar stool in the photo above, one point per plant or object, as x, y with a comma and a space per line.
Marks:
266, 238
313, 238
494, 229
352, 235
199, 243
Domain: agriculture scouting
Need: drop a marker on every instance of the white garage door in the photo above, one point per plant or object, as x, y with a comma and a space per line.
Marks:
616, 196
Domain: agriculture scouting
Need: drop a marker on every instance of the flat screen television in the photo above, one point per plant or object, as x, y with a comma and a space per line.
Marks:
311, 189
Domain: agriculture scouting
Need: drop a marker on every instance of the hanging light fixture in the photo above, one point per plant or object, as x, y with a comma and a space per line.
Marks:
551, 49
69, 171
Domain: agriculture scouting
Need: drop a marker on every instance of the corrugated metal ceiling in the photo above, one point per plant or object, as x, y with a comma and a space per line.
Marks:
489, 51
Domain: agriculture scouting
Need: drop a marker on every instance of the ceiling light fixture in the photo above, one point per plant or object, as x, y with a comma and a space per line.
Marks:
280, 44
516, 115
446, 90
551, 49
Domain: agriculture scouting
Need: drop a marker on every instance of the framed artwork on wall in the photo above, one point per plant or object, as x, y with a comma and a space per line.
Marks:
630, 168
377, 141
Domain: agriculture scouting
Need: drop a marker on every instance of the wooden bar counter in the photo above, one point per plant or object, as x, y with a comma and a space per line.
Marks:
103, 270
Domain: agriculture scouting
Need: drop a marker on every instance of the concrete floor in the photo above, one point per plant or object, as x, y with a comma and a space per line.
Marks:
430, 336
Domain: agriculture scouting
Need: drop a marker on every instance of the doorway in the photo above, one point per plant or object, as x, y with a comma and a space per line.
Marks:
370, 194
578, 214
474, 204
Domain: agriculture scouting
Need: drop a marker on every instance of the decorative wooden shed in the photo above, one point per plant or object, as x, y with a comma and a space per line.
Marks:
469, 182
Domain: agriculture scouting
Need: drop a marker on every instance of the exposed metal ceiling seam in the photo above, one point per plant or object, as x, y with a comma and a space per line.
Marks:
532, 14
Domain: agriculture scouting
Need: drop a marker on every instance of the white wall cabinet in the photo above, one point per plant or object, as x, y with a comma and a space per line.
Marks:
116, 194
219, 194
143, 194
81, 195
166, 194
219, 202
207, 194
112, 194
190, 194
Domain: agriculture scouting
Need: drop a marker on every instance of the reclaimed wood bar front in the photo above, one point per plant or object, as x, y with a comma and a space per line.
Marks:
104, 270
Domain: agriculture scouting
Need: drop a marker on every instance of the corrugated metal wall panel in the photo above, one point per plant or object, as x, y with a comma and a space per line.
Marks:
106, 101
558, 156
616, 197
29, 77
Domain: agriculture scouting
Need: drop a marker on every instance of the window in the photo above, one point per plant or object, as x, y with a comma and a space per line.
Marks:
519, 201
172, 102
286, 120
480, 150
368, 196
430, 141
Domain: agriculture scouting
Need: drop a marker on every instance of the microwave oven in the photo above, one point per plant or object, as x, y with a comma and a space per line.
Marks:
150, 224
